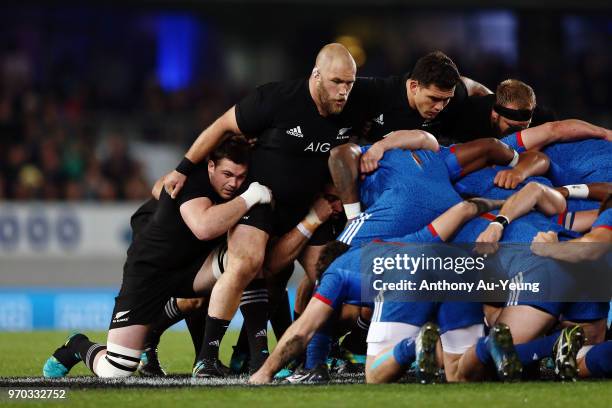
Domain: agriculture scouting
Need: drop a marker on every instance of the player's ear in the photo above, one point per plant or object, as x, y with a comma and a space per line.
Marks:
211, 166
413, 86
316, 74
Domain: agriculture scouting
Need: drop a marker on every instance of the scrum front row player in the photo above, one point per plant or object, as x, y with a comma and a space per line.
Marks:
170, 257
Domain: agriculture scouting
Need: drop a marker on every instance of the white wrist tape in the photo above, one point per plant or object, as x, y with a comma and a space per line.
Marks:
578, 190
312, 218
305, 232
253, 195
352, 210
515, 160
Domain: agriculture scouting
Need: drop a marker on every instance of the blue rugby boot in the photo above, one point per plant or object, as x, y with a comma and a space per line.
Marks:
63, 359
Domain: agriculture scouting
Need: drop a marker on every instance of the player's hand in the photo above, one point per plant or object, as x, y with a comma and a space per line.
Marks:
369, 160
260, 378
509, 179
256, 194
539, 245
322, 208
173, 183
491, 234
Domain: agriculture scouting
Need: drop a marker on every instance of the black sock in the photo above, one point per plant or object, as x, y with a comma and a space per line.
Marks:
87, 349
280, 319
242, 344
254, 308
213, 334
196, 324
170, 316
355, 341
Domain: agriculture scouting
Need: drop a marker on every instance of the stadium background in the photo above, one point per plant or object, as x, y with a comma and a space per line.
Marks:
97, 102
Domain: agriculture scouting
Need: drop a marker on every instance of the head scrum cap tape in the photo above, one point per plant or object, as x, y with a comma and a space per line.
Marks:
519, 115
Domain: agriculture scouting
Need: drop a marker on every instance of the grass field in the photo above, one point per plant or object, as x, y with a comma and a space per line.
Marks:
23, 354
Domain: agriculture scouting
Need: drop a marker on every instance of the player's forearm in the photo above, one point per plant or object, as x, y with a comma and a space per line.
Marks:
548, 200
409, 140
561, 131
218, 219
532, 164
344, 168
212, 136
290, 346
577, 250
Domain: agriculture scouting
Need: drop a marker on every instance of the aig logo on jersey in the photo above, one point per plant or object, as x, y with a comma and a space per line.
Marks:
318, 147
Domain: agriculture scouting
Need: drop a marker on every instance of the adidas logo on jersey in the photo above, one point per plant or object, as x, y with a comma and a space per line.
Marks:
215, 343
261, 333
296, 131
380, 120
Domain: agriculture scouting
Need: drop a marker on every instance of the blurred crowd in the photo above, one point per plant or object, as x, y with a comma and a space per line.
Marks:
76, 92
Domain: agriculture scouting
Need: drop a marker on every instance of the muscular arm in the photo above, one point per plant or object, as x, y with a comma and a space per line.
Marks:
294, 341
475, 88
399, 139
289, 246
344, 168
562, 131
208, 221
530, 164
590, 247
597, 191
533, 195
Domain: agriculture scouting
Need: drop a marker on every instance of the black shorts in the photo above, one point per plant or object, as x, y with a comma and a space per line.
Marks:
283, 218
144, 292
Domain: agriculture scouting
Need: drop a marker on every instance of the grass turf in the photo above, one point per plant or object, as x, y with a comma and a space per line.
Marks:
23, 354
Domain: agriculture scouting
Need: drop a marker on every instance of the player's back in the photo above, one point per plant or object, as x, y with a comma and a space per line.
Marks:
583, 161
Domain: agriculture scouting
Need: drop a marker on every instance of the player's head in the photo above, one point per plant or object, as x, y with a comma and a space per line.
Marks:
330, 193
228, 165
514, 105
333, 75
606, 204
432, 84
329, 253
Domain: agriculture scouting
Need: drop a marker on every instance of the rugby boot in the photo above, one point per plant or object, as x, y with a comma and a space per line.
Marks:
208, 368
425, 347
501, 348
149, 365
346, 362
316, 375
63, 359
565, 350
239, 363
289, 369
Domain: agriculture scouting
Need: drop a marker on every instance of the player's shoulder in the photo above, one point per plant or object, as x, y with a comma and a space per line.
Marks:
283, 90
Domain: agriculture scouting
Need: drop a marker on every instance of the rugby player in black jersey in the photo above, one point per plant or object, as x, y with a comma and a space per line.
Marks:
296, 124
510, 109
169, 257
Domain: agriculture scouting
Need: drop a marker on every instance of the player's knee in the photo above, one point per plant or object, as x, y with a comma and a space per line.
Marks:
245, 262
534, 188
118, 362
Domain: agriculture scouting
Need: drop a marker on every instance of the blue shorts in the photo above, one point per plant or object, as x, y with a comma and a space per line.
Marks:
448, 315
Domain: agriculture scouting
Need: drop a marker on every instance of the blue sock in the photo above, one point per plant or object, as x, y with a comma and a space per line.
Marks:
318, 350
599, 360
537, 349
404, 352
481, 351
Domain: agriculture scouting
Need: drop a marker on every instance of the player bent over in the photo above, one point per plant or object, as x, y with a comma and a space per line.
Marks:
166, 260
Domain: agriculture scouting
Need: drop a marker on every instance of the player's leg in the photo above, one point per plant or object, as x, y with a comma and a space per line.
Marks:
246, 248
528, 322
596, 361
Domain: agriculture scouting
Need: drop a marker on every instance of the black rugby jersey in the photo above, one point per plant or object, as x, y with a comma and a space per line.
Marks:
400, 116
166, 242
294, 140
